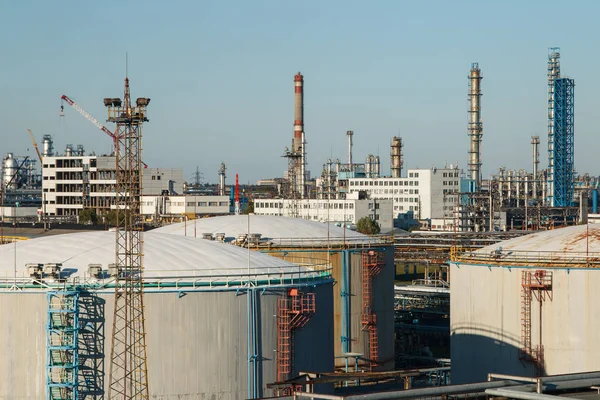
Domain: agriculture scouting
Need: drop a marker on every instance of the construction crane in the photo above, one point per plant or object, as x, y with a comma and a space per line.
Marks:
90, 118
37, 150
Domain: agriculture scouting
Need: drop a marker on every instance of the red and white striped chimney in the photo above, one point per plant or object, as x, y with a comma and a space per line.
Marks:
298, 111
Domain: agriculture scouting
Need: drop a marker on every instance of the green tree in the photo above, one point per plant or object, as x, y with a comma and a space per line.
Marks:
367, 226
88, 216
249, 208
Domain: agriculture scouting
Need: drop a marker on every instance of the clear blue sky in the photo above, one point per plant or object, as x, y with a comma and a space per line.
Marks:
220, 76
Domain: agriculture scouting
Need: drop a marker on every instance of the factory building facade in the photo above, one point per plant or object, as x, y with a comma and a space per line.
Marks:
347, 211
429, 193
73, 182
160, 207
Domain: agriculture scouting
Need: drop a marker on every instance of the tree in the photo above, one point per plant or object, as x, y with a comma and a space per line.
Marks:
367, 226
88, 216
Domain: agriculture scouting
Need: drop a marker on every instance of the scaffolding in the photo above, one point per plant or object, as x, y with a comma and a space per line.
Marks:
372, 263
62, 355
536, 285
564, 170
294, 310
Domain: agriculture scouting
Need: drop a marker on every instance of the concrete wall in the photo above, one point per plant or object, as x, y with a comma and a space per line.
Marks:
485, 322
383, 290
196, 344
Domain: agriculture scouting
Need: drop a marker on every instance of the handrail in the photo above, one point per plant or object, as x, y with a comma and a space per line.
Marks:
531, 258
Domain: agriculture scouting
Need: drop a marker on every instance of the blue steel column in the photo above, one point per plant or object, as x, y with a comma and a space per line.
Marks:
564, 173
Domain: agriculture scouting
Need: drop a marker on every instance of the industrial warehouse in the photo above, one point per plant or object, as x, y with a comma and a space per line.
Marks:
332, 202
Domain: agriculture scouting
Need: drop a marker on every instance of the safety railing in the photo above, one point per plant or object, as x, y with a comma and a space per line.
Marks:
323, 242
565, 259
174, 279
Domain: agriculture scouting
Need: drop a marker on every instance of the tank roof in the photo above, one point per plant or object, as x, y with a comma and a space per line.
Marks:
574, 246
165, 257
272, 228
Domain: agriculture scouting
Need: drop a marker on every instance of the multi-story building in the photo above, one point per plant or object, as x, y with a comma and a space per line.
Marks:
429, 193
72, 183
347, 211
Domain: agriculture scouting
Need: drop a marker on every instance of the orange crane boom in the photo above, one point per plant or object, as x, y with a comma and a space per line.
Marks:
37, 150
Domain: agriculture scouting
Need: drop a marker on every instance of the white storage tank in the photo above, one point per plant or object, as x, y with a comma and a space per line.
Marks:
209, 333
528, 306
363, 321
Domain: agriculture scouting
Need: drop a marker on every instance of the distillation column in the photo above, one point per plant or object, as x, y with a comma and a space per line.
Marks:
222, 177
535, 142
553, 73
475, 126
396, 162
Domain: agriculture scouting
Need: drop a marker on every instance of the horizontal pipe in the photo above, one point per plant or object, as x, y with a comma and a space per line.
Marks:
317, 396
491, 377
522, 395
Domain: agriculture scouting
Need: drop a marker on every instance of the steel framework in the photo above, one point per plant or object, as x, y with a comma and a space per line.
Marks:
128, 367
372, 262
62, 336
536, 284
553, 74
564, 171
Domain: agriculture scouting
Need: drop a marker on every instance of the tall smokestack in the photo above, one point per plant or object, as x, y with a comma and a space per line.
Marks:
396, 162
475, 126
298, 112
350, 134
535, 142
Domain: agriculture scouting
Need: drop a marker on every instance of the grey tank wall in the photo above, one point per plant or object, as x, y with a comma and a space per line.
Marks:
196, 344
383, 300
485, 322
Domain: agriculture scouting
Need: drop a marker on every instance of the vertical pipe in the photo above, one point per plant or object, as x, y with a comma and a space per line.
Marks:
535, 142
249, 323
344, 293
303, 169
255, 341
595, 201
475, 126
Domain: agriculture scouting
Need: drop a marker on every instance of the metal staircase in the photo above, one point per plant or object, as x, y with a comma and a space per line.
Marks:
372, 262
62, 335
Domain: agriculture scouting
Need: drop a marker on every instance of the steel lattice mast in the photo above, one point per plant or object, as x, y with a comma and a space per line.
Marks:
128, 366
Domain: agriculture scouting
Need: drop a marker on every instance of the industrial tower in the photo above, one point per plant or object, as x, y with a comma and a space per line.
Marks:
561, 169
396, 157
535, 143
128, 367
553, 73
475, 127
296, 174
564, 168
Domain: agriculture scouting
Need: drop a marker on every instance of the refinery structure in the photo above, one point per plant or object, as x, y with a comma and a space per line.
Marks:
467, 288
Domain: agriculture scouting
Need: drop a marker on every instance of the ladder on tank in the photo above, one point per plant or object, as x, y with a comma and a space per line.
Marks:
372, 262
62, 335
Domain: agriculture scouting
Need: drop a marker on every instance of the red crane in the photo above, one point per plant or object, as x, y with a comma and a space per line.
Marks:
237, 195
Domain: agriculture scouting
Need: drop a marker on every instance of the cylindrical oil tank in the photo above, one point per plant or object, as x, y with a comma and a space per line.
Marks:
10, 170
209, 334
304, 242
527, 306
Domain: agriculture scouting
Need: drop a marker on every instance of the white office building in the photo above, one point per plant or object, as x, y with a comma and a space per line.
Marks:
431, 193
347, 211
72, 183
157, 208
